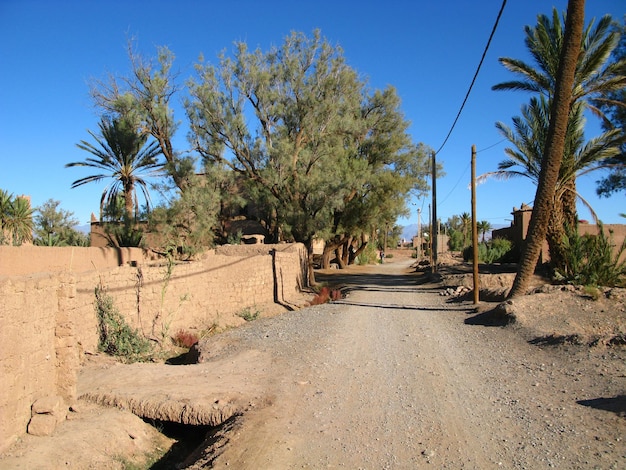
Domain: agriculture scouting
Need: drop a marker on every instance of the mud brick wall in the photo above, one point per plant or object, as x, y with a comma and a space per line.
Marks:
48, 320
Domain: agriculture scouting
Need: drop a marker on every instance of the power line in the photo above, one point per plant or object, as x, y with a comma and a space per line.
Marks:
491, 146
493, 31
455, 185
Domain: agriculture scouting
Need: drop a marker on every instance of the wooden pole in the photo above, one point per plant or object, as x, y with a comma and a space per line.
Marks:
430, 235
434, 223
475, 230
419, 234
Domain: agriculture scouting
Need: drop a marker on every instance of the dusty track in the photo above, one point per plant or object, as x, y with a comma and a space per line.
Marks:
392, 377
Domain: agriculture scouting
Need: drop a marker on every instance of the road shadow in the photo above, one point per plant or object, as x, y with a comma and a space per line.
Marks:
388, 280
375, 278
615, 405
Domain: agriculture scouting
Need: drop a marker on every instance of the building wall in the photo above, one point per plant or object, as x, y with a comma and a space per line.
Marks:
48, 321
521, 220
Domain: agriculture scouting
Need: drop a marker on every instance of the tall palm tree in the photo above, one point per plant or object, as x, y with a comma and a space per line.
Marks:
122, 155
594, 80
483, 227
562, 102
595, 76
579, 158
466, 228
18, 220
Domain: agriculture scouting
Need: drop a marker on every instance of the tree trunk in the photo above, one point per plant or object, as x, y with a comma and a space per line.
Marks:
555, 235
311, 270
551, 161
568, 202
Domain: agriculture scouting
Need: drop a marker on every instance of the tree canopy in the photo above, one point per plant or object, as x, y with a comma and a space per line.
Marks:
293, 130
317, 148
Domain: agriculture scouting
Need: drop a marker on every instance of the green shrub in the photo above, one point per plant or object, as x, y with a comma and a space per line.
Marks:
590, 261
367, 256
248, 315
497, 250
116, 337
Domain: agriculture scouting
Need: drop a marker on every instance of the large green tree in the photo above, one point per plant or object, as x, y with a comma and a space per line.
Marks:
123, 156
144, 96
56, 227
292, 121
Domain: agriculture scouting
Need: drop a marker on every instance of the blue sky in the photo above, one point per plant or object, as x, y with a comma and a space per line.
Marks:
429, 51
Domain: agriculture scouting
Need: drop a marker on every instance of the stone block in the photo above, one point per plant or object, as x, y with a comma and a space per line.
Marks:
42, 425
51, 406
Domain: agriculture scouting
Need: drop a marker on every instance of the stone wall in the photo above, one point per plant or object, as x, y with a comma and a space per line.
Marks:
48, 321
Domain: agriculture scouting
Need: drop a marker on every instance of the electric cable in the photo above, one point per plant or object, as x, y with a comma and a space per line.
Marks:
493, 31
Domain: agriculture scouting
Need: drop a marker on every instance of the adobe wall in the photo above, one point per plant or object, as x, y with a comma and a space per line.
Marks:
29, 259
48, 321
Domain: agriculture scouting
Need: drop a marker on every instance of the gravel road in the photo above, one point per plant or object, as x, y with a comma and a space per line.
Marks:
392, 377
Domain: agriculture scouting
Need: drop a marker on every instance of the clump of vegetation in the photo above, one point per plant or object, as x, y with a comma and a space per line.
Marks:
326, 294
16, 219
367, 256
117, 338
498, 250
185, 339
249, 315
234, 238
592, 292
590, 260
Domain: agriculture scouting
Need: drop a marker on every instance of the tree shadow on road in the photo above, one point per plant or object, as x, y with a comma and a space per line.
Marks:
615, 404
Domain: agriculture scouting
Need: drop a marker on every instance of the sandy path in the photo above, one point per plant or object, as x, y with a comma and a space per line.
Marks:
392, 378
389, 378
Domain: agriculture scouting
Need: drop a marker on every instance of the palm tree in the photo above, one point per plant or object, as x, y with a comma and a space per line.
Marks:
562, 102
594, 80
18, 220
5, 211
579, 158
121, 154
483, 227
466, 227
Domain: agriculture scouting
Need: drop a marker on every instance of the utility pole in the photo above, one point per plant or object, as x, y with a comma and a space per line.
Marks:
475, 230
435, 233
430, 234
419, 233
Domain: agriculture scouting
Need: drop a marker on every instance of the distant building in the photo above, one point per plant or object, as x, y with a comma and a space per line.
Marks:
516, 233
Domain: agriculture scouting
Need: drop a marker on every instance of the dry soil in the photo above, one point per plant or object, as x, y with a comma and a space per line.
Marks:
394, 376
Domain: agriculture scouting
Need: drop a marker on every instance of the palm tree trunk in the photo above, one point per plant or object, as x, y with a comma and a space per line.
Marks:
551, 162
568, 202
555, 235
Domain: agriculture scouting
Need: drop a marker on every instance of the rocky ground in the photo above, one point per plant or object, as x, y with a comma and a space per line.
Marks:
405, 372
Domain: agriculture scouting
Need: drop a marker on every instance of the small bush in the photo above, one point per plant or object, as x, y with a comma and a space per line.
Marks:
497, 250
185, 339
590, 260
367, 256
592, 292
117, 338
248, 315
326, 294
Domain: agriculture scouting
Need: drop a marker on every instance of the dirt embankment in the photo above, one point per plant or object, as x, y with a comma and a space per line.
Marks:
395, 375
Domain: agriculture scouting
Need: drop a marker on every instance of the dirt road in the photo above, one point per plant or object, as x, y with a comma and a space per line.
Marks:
393, 378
